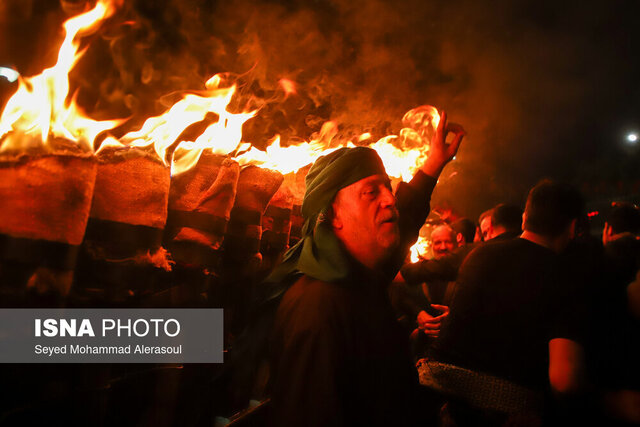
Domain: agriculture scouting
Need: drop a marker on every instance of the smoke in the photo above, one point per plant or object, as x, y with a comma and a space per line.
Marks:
529, 81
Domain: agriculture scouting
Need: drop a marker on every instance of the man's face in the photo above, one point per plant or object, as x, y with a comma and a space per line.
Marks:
485, 228
365, 219
443, 241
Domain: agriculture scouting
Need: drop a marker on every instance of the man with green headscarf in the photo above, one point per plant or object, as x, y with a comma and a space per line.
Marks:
337, 354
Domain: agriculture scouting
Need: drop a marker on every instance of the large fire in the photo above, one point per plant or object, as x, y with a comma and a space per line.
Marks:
39, 111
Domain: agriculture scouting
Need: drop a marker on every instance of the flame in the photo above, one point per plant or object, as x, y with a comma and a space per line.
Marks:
39, 112
284, 159
290, 159
287, 86
401, 154
110, 142
221, 137
420, 249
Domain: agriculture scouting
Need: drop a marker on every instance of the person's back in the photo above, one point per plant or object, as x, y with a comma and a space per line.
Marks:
505, 312
513, 329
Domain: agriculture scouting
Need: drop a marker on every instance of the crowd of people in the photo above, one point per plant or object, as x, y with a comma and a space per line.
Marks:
545, 312
523, 318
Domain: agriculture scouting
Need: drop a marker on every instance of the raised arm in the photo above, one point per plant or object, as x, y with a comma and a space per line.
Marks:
441, 152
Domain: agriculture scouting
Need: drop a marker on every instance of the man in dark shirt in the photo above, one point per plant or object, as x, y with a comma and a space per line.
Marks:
510, 317
503, 222
337, 355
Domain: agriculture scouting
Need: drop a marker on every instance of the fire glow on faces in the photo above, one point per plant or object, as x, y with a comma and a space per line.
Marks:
365, 219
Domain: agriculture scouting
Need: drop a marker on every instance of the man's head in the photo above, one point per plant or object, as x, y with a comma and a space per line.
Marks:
350, 190
443, 240
505, 218
484, 222
365, 220
465, 230
551, 212
622, 218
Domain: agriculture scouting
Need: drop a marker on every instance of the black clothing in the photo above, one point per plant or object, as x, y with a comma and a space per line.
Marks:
341, 359
507, 235
338, 357
508, 304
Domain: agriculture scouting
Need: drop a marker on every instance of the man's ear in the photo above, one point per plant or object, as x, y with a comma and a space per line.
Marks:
336, 220
459, 239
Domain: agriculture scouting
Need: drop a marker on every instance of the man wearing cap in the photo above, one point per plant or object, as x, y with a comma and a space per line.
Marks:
337, 354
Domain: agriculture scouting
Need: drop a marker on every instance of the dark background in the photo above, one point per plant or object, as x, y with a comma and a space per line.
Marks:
544, 89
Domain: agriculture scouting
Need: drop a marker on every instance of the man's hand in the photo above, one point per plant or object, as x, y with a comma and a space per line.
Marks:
440, 153
431, 325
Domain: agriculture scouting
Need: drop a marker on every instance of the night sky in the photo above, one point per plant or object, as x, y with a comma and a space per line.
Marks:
544, 89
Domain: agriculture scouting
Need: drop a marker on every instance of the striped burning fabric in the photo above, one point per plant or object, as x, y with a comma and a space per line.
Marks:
200, 204
276, 222
129, 208
256, 187
45, 207
122, 253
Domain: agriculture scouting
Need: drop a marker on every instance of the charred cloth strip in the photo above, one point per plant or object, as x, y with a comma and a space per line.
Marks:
54, 255
281, 218
199, 220
241, 238
123, 240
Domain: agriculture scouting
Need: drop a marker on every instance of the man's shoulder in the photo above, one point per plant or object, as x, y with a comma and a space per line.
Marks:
495, 248
496, 253
307, 287
313, 299
500, 246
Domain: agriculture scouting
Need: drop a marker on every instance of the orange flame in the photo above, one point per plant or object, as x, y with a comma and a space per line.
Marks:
401, 154
289, 159
221, 137
39, 112
288, 86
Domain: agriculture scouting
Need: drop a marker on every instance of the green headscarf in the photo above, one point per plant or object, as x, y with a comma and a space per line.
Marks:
319, 253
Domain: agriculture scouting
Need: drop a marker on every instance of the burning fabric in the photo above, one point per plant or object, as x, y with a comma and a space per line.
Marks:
46, 201
122, 252
48, 171
200, 206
